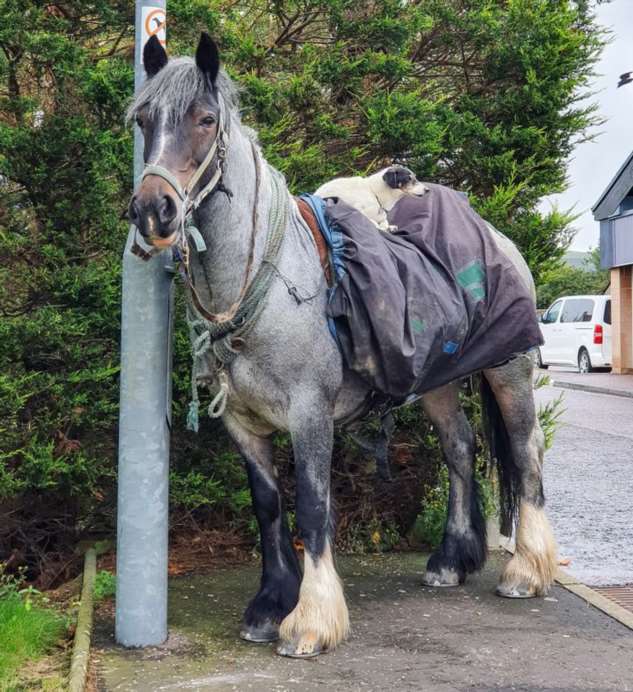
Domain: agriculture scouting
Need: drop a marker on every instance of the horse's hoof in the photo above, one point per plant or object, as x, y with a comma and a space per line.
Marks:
306, 647
443, 578
515, 591
260, 634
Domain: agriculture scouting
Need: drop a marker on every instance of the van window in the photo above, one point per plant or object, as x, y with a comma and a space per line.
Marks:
577, 310
552, 314
607, 312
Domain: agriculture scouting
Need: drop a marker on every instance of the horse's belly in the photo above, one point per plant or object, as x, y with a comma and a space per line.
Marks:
350, 403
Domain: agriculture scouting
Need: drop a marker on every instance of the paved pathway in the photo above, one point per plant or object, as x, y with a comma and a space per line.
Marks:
405, 637
589, 484
606, 381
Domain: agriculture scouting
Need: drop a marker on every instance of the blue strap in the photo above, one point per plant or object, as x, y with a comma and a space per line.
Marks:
330, 232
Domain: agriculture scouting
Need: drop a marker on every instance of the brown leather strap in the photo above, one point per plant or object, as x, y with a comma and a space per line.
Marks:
186, 275
319, 240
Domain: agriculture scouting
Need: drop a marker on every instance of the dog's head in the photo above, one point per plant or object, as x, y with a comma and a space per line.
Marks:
402, 178
393, 183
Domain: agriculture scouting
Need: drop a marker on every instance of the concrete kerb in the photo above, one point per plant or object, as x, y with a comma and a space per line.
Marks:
597, 600
83, 633
591, 388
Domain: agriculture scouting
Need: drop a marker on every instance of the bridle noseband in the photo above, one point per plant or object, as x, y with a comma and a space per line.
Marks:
217, 153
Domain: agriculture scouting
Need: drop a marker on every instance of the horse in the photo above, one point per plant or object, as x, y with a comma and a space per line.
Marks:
259, 291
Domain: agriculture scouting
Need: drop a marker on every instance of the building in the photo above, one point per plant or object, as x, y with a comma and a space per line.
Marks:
614, 211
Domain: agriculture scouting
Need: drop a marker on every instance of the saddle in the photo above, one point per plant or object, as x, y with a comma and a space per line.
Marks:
312, 223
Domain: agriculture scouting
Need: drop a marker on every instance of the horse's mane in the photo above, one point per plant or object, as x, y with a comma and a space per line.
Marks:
174, 88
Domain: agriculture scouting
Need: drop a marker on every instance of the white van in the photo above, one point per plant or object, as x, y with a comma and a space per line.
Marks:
577, 331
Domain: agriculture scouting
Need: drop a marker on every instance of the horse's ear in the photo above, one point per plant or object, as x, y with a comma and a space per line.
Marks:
208, 58
154, 56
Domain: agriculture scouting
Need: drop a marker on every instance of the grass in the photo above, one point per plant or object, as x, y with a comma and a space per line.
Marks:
27, 632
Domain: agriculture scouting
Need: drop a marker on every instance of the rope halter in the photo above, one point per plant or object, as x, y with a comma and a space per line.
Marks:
216, 152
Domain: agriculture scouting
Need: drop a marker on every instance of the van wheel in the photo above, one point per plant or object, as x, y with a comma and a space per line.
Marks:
539, 360
584, 362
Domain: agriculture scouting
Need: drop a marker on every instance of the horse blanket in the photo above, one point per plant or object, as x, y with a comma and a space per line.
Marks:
431, 303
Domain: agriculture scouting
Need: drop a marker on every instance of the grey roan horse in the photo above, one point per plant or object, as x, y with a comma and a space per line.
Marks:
286, 373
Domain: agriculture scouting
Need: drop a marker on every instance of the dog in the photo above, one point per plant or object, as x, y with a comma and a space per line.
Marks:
375, 195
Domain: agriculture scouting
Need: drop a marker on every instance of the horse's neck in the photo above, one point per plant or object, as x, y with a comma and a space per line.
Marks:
226, 223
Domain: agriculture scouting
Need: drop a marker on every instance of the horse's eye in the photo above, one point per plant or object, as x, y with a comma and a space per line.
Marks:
207, 121
139, 122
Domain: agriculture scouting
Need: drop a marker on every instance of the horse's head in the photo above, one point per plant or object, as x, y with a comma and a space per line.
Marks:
178, 110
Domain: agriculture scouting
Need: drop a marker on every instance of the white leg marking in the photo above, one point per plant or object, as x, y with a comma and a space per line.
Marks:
320, 619
532, 569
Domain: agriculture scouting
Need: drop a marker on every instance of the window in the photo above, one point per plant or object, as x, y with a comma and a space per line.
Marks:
577, 310
552, 314
607, 312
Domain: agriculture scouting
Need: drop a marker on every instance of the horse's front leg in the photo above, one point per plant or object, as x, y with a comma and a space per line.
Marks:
279, 586
320, 619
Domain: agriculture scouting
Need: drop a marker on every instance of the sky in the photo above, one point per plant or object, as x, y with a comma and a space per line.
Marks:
594, 164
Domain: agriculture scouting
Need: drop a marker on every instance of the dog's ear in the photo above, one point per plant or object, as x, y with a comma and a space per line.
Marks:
397, 177
208, 58
391, 178
154, 56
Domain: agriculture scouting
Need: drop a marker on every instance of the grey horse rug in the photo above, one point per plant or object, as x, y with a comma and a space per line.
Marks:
431, 303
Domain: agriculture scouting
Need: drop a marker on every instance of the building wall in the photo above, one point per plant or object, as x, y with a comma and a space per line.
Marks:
622, 319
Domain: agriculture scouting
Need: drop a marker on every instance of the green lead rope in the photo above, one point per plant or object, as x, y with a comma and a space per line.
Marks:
216, 337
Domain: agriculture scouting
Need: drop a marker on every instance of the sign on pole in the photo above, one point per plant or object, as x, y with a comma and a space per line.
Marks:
153, 23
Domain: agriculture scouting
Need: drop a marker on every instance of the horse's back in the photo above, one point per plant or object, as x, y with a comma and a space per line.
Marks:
512, 252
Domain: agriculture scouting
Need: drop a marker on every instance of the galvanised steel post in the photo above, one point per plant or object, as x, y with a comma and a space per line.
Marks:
144, 418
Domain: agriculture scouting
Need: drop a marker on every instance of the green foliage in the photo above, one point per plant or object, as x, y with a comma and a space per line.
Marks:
572, 281
27, 630
374, 536
549, 414
429, 525
481, 95
105, 585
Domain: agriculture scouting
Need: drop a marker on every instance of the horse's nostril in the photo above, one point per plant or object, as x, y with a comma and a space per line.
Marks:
167, 210
133, 213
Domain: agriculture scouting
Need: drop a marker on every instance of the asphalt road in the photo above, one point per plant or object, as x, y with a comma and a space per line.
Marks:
589, 485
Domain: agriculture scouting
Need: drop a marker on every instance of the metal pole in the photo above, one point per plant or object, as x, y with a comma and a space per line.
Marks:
144, 419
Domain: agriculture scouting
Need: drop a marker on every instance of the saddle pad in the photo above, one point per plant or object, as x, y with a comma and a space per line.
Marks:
311, 221
431, 303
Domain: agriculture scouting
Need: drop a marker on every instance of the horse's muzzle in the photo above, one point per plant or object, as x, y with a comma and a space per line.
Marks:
156, 217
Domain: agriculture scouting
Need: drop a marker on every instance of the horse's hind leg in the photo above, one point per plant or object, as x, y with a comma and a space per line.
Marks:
463, 547
320, 620
531, 570
279, 587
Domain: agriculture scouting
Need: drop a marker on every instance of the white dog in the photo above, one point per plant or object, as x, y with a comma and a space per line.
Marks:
375, 195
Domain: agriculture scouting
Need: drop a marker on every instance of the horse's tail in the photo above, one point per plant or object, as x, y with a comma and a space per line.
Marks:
501, 457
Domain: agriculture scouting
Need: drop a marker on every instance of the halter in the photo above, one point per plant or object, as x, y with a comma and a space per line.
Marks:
217, 151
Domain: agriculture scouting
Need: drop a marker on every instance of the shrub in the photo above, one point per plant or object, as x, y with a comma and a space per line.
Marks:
105, 585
